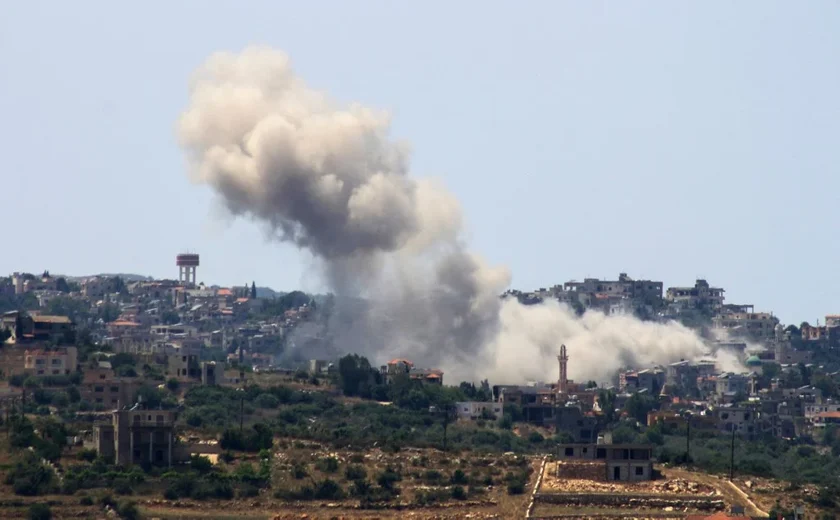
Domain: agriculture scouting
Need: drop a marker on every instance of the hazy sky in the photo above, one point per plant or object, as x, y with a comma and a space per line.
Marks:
663, 139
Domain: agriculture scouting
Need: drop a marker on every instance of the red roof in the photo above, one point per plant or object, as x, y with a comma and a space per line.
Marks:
829, 415
224, 292
397, 361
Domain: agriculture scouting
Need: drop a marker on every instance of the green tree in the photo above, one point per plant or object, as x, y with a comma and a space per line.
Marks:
40, 511
638, 406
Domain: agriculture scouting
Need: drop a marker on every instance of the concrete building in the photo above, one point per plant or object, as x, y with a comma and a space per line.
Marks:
619, 462
100, 387
396, 367
742, 420
51, 362
572, 420
758, 325
701, 296
138, 436
616, 297
478, 410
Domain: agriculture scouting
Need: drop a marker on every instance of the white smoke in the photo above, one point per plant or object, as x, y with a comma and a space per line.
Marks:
329, 179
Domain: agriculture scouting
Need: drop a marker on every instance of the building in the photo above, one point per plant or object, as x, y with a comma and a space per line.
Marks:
742, 420
581, 427
395, 367
538, 403
478, 410
51, 362
701, 296
318, 366
100, 387
616, 297
563, 382
617, 462
138, 436
757, 325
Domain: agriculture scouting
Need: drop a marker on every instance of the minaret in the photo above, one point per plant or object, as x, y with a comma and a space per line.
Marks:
563, 383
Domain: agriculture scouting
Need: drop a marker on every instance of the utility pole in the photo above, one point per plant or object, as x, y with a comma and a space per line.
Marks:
732, 455
241, 411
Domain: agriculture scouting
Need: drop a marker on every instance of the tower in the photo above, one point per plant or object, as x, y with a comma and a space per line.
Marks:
563, 383
187, 264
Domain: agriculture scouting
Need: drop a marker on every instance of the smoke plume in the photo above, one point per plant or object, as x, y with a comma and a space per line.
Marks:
329, 178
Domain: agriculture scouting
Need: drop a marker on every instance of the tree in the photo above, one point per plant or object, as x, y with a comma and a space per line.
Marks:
606, 401
62, 285
638, 406
253, 290
40, 511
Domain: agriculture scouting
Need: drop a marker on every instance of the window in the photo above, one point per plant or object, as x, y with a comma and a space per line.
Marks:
115, 389
640, 471
56, 362
724, 416
570, 452
98, 389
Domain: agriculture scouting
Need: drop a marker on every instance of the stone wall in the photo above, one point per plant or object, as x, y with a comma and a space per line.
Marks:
632, 501
586, 470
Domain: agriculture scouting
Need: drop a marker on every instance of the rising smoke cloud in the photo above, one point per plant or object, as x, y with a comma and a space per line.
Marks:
328, 178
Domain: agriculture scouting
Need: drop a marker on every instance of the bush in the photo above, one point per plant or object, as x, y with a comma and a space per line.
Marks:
86, 501
355, 472
516, 487
122, 486
459, 477
29, 477
88, 455
535, 438
248, 491
201, 464
267, 401
40, 512
432, 476
388, 478
327, 465
128, 511
172, 385
328, 489
458, 493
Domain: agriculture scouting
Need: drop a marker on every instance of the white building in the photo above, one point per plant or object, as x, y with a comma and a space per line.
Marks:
477, 410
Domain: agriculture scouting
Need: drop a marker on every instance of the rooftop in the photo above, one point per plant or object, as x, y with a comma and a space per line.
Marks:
50, 319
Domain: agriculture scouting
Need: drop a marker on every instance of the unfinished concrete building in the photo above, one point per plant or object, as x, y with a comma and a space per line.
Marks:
604, 461
137, 436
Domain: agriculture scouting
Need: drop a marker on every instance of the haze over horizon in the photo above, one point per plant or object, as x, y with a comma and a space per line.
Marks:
711, 132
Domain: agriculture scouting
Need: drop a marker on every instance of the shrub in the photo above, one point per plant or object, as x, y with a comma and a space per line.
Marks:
516, 487
40, 512
459, 477
432, 476
360, 488
299, 470
122, 486
128, 511
355, 472
535, 438
458, 493
86, 501
248, 491
328, 489
172, 385
388, 478
29, 477
88, 455
327, 465
201, 464
267, 401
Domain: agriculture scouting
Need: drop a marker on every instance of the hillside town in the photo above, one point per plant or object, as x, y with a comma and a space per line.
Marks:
124, 355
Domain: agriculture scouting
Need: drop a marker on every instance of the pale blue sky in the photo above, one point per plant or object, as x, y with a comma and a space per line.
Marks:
663, 139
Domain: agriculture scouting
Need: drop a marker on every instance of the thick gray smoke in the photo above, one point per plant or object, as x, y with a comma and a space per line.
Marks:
330, 179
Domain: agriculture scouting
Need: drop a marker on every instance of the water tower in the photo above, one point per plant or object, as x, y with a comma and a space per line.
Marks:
187, 264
